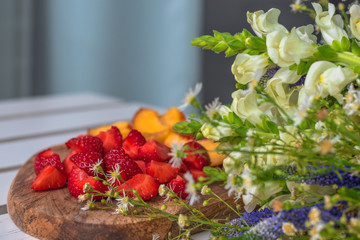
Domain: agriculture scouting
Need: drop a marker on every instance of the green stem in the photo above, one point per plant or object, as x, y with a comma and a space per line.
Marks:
347, 59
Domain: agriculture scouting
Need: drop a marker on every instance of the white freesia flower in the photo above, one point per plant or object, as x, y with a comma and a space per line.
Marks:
331, 25
224, 111
246, 67
355, 20
246, 107
259, 192
285, 48
331, 78
215, 133
278, 88
305, 33
264, 23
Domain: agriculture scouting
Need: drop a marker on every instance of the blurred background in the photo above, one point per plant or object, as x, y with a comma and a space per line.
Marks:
135, 50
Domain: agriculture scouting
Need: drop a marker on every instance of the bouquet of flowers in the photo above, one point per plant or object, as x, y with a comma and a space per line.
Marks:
291, 135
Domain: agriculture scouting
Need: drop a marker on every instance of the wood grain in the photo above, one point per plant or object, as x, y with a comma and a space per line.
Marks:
55, 214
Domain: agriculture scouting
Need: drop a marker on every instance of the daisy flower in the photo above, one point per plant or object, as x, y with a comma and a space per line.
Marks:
177, 152
190, 188
191, 96
213, 107
124, 202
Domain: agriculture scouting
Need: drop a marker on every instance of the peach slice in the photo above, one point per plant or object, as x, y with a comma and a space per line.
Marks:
172, 116
215, 158
147, 120
175, 137
124, 127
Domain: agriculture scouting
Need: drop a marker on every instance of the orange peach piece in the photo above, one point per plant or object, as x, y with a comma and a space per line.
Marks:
215, 158
124, 127
172, 116
175, 137
148, 121
158, 136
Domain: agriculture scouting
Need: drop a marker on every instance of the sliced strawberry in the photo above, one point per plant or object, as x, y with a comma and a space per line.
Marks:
68, 164
87, 160
196, 173
132, 142
197, 160
49, 178
142, 165
163, 172
178, 186
153, 150
45, 158
77, 180
111, 138
85, 144
117, 160
146, 186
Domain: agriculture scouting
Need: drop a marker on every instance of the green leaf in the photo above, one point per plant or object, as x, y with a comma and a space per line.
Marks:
301, 68
255, 43
345, 43
230, 52
244, 35
293, 67
221, 46
199, 136
210, 40
241, 86
336, 45
227, 36
273, 127
198, 42
236, 44
355, 48
326, 51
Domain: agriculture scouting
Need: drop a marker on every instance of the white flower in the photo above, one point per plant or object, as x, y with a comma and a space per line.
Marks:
224, 111
113, 176
191, 96
305, 33
278, 88
289, 228
190, 188
177, 152
215, 133
259, 192
248, 67
332, 80
264, 23
314, 216
231, 185
233, 162
183, 220
82, 197
124, 202
162, 190
89, 205
285, 48
95, 168
352, 101
155, 236
213, 107
355, 20
304, 103
316, 230
246, 107
246, 177
331, 25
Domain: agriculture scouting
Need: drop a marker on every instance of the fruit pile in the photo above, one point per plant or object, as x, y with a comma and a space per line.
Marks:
138, 153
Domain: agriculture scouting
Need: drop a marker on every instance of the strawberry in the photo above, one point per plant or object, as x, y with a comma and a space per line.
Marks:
117, 160
196, 173
132, 142
49, 178
45, 158
87, 160
196, 160
153, 150
146, 186
68, 164
77, 180
111, 138
163, 172
178, 186
142, 165
85, 144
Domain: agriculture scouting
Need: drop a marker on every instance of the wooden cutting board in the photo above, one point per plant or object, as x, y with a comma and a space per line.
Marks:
55, 214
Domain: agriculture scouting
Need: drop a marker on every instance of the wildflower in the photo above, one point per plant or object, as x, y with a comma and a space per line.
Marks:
352, 101
302, 109
246, 177
83, 197
231, 184
296, 7
190, 188
96, 168
87, 187
89, 205
119, 210
162, 190
191, 96
348, 179
177, 152
314, 216
217, 130
183, 221
155, 236
124, 202
289, 228
213, 107
113, 176
316, 230
205, 190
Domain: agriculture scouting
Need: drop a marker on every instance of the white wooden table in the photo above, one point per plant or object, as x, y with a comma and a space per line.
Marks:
32, 124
